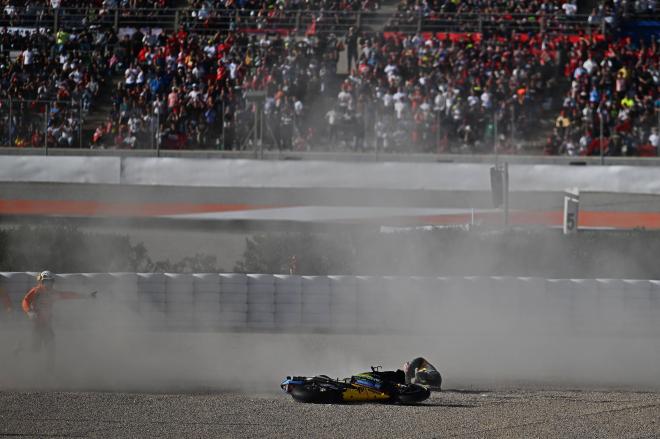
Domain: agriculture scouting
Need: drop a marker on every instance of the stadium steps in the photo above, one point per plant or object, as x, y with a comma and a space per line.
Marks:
100, 110
371, 25
377, 24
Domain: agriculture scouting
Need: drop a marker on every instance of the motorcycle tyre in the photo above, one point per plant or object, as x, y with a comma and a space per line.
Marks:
413, 394
314, 395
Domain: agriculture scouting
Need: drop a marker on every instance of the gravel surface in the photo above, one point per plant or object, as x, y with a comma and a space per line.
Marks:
454, 413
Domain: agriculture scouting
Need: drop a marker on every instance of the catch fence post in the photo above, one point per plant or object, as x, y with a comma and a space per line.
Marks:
437, 131
158, 135
601, 138
513, 124
80, 122
222, 125
261, 130
506, 194
9, 130
46, 110
657, 112
255, 125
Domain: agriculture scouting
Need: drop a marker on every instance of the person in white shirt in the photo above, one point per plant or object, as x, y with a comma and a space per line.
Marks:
388, 100
28, 58
133, 125
130, 76
76, 76
140, 77
570, 148
194, 94
233, 70
390, 70
298, 108
64, 58
439, 102
150, 39
344, 98
570, 9
210, 50
93, 86
486, 100
332, 117
579, 71
589, 65
399, 95
203, 13
654, 138
399, 108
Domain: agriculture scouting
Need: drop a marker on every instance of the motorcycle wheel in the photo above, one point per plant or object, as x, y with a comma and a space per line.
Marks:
412, 394
315, 394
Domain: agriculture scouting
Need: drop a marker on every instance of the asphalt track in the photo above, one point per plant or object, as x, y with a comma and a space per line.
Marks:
471, 413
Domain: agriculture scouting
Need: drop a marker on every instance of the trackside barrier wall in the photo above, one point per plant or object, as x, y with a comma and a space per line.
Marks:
243, 173
288, 301
206, 301
265, 302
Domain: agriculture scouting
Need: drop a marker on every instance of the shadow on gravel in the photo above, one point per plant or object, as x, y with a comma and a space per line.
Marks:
445, 404
467, 392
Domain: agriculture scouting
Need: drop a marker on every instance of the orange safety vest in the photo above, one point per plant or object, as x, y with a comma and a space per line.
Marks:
40, 300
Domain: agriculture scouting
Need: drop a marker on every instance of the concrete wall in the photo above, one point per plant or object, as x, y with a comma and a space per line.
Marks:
348, 304
337, 156
323, 174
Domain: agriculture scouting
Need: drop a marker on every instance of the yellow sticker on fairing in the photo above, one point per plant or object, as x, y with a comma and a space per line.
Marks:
363, 394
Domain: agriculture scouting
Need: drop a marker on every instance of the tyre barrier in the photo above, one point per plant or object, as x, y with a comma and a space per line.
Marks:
265, 302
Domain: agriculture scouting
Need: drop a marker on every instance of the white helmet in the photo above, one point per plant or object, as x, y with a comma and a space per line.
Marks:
45, 275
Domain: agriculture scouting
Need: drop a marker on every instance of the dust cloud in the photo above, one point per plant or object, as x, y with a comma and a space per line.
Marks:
480, 333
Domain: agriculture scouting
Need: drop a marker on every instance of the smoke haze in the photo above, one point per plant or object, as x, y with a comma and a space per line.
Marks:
481, 335
478, 335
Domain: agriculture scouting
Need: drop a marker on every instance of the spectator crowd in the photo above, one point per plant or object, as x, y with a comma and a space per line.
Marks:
49, 82
613, 101
246, 74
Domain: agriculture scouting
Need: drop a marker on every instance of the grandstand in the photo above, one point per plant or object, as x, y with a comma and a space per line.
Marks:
574, 78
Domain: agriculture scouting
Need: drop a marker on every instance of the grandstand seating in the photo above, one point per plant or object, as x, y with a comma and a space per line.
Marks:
417, 76
49, 81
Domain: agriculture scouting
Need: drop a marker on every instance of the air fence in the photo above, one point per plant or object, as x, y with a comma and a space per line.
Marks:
353, 304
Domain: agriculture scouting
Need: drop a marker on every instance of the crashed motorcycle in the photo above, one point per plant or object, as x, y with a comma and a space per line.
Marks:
377, 386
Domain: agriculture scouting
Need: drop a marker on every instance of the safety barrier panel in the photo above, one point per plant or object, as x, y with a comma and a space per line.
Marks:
255, 174
265, 302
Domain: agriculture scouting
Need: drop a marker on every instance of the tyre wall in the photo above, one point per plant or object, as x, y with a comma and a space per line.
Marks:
353, 304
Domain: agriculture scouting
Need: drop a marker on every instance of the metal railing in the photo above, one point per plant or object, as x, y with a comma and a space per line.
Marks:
299, 22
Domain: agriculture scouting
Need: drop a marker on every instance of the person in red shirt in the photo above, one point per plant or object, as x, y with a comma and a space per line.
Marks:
38, 305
